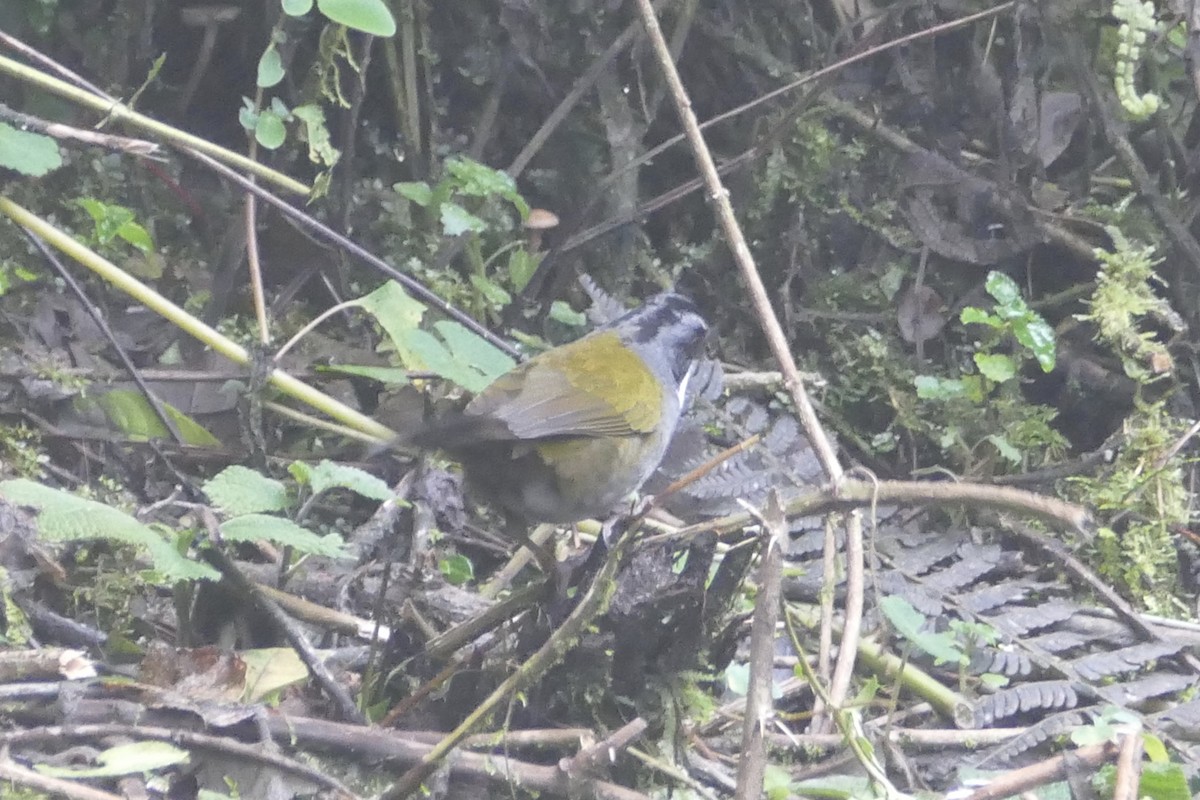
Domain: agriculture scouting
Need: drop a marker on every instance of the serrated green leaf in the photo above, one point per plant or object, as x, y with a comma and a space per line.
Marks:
977, 316
1005, 448
28, 153
996, 367
470, 348
241, 490
1163, 781
67, 517
456, 220
284, 532
1005, 292
397, 313
134, 234
910, 623
132, 758
1036, 334
109, 219
479, 180
368, 16
416, 191
930, 387
432, 354
329, 475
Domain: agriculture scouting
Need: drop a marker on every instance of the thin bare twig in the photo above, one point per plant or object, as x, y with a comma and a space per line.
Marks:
759, 706
776, 340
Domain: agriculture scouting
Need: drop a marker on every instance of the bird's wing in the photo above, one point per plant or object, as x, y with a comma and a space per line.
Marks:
592, 387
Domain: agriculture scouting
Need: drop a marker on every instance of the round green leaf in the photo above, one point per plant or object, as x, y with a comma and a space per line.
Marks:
270, 68
457, 569
368, 16
28, 153
270, 130
297, 8
996, 367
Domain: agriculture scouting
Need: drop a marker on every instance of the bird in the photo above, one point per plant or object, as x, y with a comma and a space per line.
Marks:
573, 431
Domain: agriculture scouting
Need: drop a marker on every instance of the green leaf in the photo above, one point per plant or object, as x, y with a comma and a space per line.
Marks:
329, 475
977, 316
1005, 292
415, 191
241, 490
472, 349
1155, 749
996, 367
284, 532
134, 234
1005, 448
297, 8
112, 221
1098, 732
457, 570
777, 782
132, 758
397, 313
521, 266
316, 133
492, 292
737, 678
975, 388
456, 220
248, 114
431, 354
67, 517
993, 680
459, 355
269, 670
479, 180
269, 130
1161, 781
130, 412
270, 67
1036, 334
835, 787
561, 311
28, 153
910, 624
368, 16
930, 387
